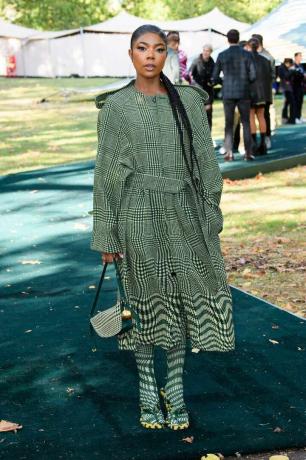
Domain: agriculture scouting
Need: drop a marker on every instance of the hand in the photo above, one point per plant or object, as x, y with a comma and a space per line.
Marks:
110, 258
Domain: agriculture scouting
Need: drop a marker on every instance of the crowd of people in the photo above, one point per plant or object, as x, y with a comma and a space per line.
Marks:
248, 74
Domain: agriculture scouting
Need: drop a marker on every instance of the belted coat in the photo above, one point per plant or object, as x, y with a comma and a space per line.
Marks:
145, 206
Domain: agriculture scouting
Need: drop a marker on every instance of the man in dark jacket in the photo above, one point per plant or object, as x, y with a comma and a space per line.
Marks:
239, 72
298, 81
201, 70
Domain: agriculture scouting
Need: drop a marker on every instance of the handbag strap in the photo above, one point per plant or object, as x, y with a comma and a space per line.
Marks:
121, 291
98, 290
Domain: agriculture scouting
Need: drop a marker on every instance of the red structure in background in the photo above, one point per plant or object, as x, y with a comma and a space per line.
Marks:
11, 66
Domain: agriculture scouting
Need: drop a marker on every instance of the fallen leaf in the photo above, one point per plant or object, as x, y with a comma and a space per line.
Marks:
80, 226
70, 390
278, 430
189, 439
283, 240
259, 176
31, 262
33, 191
279, 457
273, 341
242, 261
27, 332
210, 457
92, 287
195, 350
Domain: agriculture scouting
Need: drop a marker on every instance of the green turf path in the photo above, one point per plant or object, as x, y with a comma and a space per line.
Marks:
288, 150
78, 404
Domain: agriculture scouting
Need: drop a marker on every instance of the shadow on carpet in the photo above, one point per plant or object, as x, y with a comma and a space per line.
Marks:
82, 404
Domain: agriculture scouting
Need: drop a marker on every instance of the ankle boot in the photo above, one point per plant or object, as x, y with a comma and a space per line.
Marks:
248, 156
254, 144
229, 156
262, 149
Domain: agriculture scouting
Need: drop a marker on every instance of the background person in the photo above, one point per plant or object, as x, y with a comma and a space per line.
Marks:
298, 81
239, 71
267, 86
258, 96
172, 67
157, 189
201, 71
285, 73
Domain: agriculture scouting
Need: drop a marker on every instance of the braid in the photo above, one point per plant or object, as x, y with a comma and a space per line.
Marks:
182, 121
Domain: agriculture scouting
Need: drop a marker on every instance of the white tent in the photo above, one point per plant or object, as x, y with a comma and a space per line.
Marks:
284, 30
214, 20
11, 38
101, 49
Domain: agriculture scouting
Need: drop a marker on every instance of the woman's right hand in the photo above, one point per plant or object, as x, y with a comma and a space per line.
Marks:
110, 258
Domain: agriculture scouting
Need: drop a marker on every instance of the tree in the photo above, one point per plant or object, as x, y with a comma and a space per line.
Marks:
67, 14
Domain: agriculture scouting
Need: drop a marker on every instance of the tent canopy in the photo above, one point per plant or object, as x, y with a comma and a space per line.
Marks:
9, 30
127, 23
284, 29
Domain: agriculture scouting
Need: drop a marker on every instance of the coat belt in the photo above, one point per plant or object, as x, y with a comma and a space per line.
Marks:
158, 183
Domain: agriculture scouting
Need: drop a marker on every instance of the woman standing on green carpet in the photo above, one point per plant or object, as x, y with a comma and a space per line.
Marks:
156, 209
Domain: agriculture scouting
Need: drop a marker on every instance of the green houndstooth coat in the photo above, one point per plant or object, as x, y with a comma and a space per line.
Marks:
146, 208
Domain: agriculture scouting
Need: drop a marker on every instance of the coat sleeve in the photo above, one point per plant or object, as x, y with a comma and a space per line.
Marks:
108, 186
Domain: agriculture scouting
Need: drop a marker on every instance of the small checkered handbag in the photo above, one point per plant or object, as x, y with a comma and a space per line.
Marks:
114, 320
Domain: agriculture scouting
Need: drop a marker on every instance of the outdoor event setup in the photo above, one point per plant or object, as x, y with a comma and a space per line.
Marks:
101, 49
284, 30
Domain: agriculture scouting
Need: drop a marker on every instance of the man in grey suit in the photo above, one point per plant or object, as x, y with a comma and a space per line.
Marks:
239, 71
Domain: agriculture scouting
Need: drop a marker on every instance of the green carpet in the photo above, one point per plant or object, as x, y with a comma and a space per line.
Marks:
288, 150
78, 404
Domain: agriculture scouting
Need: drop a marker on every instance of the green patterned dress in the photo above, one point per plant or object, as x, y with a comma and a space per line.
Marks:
145, 207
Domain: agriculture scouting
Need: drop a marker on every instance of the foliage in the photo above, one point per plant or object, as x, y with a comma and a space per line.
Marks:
55, 14
65, 14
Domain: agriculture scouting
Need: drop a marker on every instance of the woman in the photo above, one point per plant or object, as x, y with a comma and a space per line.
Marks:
156, 209
258, 96
201, 70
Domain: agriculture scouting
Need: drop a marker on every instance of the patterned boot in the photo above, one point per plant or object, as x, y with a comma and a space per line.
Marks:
151, 416
177, 415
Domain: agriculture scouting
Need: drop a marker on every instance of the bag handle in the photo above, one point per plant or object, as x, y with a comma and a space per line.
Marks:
98, 290
121, 291
120, 286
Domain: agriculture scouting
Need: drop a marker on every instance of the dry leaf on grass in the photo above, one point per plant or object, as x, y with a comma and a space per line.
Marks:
275, 342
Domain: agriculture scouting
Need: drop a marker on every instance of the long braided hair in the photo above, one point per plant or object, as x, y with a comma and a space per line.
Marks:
179, 112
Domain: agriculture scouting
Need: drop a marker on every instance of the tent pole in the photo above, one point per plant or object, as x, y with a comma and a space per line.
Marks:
83, 52
210, 36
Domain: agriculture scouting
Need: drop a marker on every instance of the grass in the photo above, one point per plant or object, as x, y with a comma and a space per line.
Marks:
264, 236
264, 233
35, 135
